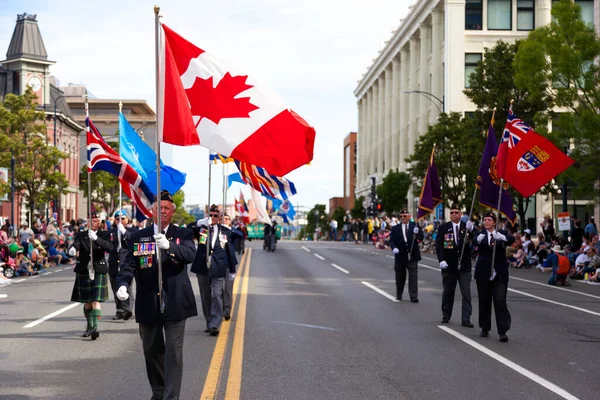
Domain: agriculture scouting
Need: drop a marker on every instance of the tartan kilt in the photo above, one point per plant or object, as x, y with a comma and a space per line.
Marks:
87, 291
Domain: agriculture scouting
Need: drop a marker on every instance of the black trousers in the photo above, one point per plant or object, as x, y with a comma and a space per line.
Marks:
413, 287
205, 295
449, 281
493, 292
122, 305
164, 357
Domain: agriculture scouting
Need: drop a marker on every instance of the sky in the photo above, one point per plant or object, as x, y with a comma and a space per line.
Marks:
312, 53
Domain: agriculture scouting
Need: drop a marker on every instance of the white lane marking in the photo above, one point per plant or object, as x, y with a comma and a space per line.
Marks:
58, 270
428, 266
555, 287
54, 314
554, 302
48, 273
3, 296
514, 366
319, 257
35, 276
326, 328
19, 280
340, 268
381, 292
305, 249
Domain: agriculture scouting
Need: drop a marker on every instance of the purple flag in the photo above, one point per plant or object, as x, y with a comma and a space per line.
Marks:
488, 181
431, 194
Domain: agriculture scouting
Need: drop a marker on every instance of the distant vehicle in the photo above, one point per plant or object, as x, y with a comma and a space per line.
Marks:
255, 231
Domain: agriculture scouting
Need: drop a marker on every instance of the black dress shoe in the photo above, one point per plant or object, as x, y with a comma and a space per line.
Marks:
227, 316
95, 333
88, 332
415, 300
398, 298
484, 334
127, 315
466, 324
445, 320
214, 332
118, 316
206, 330
503, 338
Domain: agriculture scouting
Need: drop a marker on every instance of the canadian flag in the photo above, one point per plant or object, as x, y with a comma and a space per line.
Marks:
207, 102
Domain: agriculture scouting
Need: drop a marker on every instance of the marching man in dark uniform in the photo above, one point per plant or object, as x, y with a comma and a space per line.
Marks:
404, 242
492, 283
213, 239
449, 247
163, 352
91, 282
115, 257
233, 236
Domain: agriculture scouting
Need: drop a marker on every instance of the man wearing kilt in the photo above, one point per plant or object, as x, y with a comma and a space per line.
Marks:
91, 282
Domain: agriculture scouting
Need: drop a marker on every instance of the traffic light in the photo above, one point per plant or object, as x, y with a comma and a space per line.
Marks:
379, 206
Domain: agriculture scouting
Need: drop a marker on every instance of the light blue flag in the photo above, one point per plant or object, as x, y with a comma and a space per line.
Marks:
286, 210
142, 159
235, 177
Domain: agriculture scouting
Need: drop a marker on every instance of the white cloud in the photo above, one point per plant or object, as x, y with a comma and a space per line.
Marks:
311, 52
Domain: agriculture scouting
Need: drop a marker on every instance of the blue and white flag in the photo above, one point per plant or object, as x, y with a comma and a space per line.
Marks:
286, 210
142, 158
235, 177
268, 185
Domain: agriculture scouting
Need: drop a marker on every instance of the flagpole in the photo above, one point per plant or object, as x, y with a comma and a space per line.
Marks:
224, 190
159, 115
413, 239
462, 251
120, 185
91, 272
208, 211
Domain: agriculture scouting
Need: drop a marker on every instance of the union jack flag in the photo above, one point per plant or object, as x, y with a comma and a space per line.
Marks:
268, 185
101, 157
514, 131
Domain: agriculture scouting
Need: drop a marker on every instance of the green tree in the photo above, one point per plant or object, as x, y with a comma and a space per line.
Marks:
105, 186
358, 211
493, 85
317, 217
565, 53
338, 215
393, 190
23, 135
181, 217
459, 146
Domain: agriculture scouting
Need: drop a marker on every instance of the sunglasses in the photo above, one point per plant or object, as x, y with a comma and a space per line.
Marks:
214, 215
120, 217
454, 212
404, 215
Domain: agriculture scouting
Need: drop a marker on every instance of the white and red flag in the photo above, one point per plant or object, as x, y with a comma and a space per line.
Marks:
208, 102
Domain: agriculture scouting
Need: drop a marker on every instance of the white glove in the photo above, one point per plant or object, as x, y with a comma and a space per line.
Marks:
121, 228
416, 230
162, 242
72, 251
122, 293
203, 221
395, 251
92, 235
232, 276
480, 237
470, 226
499, 236
443, 265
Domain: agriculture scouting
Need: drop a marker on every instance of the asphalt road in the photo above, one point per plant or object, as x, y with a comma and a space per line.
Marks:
314, 321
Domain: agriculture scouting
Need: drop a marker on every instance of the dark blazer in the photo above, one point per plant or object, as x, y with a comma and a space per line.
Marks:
116, 257
397, 242
81, 243
222, 258
178, 295
448, 248
483, 267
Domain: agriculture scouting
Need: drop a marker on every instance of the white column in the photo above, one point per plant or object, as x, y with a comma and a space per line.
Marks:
395, 112
543, 14
404, 106
380, 123
359, 140
426, 102
387, 138
454, 51
437, 73
375, 125
414, 99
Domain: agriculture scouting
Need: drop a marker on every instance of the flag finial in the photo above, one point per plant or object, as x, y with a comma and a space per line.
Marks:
120, 106
156, 10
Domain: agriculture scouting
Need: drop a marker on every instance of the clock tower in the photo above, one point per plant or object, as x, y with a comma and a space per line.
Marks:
26, 61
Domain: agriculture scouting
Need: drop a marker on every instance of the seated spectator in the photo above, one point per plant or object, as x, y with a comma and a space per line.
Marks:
585, 263
23, 265
595, 277
527, 243
519, 260
560, 265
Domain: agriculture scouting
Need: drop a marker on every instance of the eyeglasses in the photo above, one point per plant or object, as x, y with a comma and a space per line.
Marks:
214, 215
119, 217
454, 212
404, 215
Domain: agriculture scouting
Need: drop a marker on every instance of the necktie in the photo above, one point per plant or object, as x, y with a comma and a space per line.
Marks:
405, 232
456, 234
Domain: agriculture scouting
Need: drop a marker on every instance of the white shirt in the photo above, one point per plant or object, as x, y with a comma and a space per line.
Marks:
156, 232
456, 231
214, 234
405, 232
489, 235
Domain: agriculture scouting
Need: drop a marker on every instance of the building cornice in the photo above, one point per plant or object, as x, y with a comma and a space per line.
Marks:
67, 120
417, 14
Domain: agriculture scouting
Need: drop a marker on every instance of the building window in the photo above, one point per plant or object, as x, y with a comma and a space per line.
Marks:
499, 15
587, 11
525, 15
473, 15
471, 61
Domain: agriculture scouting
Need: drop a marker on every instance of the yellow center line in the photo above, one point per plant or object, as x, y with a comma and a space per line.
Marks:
234, 379
211, 384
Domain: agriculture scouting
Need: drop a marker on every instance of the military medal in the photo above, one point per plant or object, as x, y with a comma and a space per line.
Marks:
135, 249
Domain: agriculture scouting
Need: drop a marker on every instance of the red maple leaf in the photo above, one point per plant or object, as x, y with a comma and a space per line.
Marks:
216, 103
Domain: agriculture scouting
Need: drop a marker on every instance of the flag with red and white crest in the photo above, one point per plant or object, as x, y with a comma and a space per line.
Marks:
208, 102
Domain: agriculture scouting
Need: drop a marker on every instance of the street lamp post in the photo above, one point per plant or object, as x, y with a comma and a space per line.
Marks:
12, 196
564, 198
430, 97
54, 203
